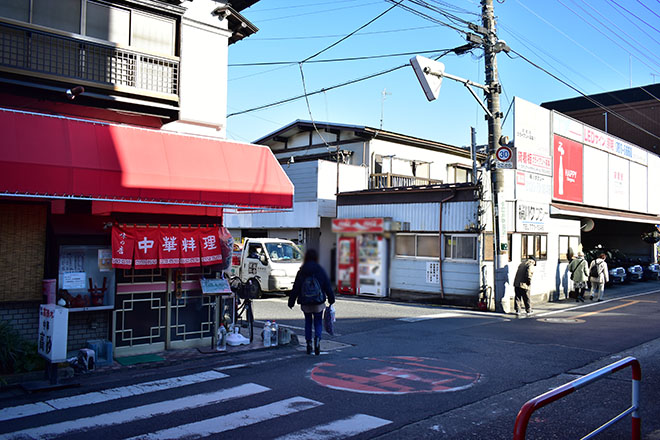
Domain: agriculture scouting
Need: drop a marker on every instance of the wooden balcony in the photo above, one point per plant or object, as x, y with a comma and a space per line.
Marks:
52, 55
389, 180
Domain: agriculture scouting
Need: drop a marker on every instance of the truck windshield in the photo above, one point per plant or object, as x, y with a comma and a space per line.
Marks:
283, 252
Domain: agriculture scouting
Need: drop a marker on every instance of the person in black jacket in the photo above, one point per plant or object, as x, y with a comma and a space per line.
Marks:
311, 289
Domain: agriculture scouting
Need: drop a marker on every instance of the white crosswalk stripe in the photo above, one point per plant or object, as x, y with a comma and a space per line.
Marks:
178, 408
231, 421
138, 413
106, 395
338, 429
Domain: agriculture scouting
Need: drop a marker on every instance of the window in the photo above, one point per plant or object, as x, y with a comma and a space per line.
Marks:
62, 14
16, 9
535, 245
283, 252
417, 245
460, 247
566, 243
108, 23
458, 173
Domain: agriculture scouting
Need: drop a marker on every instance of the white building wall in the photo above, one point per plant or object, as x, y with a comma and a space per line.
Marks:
203, 79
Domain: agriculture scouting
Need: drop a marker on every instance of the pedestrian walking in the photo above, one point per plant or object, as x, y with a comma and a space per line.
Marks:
579, 275
522, 284
598, 276
311, 288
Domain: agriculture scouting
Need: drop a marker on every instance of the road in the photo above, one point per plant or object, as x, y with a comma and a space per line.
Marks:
394, 371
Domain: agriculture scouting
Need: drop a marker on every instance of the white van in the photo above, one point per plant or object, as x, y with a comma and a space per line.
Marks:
274, 261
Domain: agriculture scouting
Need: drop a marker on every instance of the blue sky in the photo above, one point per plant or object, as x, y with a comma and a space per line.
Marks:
594, 45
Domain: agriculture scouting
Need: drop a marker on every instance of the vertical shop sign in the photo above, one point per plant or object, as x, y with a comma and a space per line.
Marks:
531, 217
146, 248
531, 125
169, 249
567, 182
190, 248
210, 246
122, 248
432, 272
53, 329
619, 183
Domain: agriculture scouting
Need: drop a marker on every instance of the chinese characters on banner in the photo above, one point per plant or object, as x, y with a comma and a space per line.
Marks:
167, 247
567, 183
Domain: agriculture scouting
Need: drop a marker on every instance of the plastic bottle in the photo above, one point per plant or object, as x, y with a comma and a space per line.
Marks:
273, 334
267, 334
222, 338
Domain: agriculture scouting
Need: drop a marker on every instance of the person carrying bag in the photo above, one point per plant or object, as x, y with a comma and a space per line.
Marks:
579, 275
311, 289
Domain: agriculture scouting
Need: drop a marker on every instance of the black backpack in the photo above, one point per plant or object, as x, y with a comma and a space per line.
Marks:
311, 292
593, 272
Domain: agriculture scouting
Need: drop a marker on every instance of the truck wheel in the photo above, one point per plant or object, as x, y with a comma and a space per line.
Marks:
255, 289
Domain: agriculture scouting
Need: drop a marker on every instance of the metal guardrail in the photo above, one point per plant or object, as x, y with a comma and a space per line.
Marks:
35, 51
528, 408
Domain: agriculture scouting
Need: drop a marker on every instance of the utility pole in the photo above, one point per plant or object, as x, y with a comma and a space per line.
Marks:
491, 47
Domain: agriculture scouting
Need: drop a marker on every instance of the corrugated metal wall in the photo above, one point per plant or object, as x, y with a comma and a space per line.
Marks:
423, 217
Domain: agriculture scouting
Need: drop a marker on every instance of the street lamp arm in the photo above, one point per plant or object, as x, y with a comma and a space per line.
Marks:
466, 82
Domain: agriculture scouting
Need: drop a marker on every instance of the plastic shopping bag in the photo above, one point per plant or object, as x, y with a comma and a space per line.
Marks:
329, 319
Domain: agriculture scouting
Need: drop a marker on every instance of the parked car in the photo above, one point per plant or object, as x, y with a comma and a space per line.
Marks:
621, 267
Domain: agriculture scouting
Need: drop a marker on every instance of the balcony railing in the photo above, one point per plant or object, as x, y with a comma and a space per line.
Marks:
389, 180
36, 52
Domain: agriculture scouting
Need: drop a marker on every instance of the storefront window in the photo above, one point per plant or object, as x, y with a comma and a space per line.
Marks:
460, 247
535, 245
86, 278
567, 242
405, 245
428, 246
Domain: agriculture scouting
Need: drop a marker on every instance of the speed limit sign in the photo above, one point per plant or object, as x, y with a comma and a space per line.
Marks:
504, 155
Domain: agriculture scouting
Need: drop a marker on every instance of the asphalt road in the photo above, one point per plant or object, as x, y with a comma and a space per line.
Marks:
394, 371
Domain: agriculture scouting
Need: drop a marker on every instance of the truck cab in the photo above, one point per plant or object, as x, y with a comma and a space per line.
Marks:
274, 262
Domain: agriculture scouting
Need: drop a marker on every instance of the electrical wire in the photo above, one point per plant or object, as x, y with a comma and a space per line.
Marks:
638, 18
650, 10
589, 98
312, 37
352, 33
326, 89
333, 60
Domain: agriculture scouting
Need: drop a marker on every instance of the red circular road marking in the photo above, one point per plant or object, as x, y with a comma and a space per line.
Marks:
394, 375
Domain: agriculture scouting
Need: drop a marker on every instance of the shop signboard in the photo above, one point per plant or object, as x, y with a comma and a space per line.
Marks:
531, 126
567, 182
615, 146
358, 225
595, 177
531, 216
432, 272
567, 127
533, 187
638, 187
618, 183
53, 328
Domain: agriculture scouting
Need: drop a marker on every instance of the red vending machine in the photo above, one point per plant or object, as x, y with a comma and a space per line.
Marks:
346, 265
362, 256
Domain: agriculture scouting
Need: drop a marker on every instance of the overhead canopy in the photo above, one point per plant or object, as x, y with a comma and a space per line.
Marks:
58, 157
606, 214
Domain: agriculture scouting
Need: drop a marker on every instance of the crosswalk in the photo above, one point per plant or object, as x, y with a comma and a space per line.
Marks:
211, 413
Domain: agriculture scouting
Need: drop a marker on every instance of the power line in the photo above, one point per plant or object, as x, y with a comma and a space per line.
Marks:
311, 37
352, 33
333, 60
650, 10
638, 18
326, 89
589, 98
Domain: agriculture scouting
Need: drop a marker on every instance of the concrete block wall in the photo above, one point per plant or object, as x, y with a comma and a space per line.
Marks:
84, 326
23, 317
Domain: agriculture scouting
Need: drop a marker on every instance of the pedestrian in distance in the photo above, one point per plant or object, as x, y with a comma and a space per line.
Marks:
579, 275
311, 288
522, 284
599, 275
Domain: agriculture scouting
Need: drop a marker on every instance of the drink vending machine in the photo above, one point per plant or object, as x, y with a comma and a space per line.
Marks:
362, 255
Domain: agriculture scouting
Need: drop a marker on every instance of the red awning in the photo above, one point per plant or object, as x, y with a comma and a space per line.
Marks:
51, 156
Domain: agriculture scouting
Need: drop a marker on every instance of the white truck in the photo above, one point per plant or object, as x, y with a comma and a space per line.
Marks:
273, 261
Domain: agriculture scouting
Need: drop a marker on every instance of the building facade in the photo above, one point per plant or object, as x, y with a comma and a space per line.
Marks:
114, 120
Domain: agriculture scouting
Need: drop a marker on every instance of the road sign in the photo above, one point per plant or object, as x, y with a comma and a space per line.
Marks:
503, 156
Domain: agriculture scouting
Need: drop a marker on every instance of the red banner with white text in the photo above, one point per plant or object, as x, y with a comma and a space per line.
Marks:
165, 247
